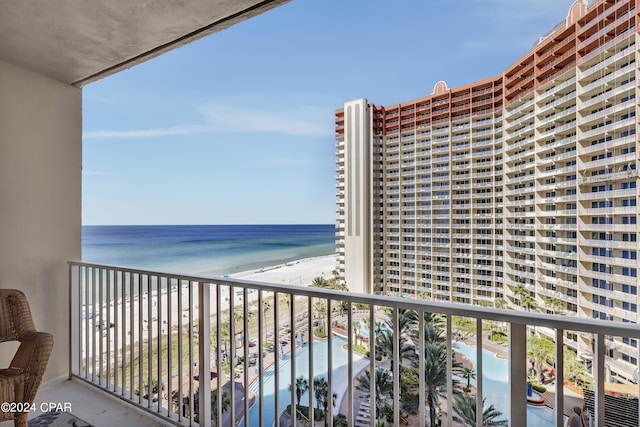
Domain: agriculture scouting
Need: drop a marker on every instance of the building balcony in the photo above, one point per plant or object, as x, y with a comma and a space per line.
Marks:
130, 328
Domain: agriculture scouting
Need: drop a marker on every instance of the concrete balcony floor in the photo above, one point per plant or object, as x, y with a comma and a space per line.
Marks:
91, 405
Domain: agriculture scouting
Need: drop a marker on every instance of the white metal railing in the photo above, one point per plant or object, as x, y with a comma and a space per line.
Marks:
148, 337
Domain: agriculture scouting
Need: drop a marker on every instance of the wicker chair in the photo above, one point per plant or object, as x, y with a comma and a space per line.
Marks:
20, 382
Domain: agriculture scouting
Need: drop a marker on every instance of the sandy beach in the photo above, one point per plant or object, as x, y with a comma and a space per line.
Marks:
300, 272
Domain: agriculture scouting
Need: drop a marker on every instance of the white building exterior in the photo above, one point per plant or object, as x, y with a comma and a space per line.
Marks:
522, 187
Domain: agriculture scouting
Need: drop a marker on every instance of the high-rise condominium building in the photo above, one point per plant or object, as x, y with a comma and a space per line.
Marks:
521, 188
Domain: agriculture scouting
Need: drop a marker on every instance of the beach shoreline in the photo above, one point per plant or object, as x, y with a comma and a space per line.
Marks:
299, 272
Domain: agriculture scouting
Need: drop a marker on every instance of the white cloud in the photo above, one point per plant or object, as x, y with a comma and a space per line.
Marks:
148, 133
233, 119
224, 119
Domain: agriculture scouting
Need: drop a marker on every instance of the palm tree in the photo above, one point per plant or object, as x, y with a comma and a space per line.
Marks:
302, 385
540, 350
386, 340
320, 390
321, 309
464, 412
225, 403
433, 334
319, 282
435, 377
520, 291
468, 374
225, 335
528, 301
500, 303
383, 387
555, 304
321, 393
286, 298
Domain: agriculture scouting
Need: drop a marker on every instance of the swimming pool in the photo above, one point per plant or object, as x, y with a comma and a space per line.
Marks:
339, 377
494, 387
494, 383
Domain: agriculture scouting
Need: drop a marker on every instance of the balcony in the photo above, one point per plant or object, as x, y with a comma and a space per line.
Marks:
120, 318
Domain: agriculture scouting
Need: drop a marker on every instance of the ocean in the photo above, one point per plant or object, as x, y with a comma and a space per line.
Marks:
205, 249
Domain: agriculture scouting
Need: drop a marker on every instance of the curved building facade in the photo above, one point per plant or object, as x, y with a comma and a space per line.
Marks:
520, 189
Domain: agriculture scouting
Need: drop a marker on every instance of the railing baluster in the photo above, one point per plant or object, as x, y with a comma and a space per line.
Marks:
449, 350
218, 346
397, 362
180, 353
261, 389
93, 325
372, 365
232, 351
132, 325
350, 417
559, 402
517, 374
116, 327
245, 342
479, 406
159, 340
218, 408
101, 326
598, 359
107, 326
329, 397
123, 331
204, 348
276, 358
311, 355
421, 391
292, 358
149, 318
140, 335
190, 371
75, 314
169, 347
88, 323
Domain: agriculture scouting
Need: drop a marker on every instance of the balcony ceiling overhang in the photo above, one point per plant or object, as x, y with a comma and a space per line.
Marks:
80, 41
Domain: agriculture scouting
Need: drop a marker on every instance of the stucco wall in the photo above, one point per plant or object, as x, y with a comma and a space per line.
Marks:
357, 240
40, 198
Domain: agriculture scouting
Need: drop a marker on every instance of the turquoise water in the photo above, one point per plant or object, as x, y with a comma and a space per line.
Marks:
339, 361
205, 249
495, 387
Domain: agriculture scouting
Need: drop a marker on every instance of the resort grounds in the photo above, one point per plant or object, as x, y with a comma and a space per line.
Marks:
298, 273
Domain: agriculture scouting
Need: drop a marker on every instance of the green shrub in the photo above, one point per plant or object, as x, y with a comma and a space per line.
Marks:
340, 420
539, 387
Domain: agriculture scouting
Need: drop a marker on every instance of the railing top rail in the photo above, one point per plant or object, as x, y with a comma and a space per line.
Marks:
446, 308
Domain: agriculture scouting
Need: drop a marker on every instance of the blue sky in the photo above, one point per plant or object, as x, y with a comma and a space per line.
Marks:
237, 128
